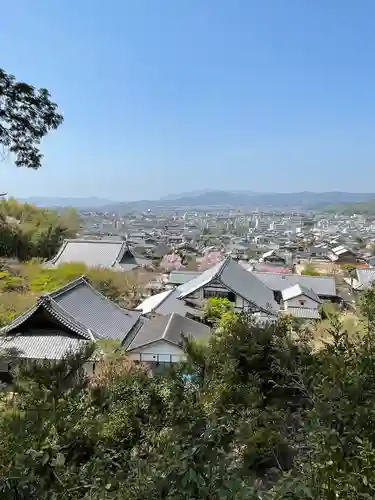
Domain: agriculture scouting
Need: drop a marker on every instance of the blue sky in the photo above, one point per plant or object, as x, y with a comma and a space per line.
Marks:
168, 96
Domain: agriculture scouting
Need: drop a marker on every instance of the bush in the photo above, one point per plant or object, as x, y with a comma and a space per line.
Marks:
255, 414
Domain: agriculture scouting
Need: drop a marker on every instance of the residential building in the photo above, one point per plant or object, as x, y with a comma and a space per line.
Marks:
158, 341
343, 255
300, 302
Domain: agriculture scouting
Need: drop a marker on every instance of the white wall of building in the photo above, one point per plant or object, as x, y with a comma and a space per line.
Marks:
301, 301
160, 351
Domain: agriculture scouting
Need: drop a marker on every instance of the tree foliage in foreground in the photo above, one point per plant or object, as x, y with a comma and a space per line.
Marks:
256, 414
218, 310
27, 114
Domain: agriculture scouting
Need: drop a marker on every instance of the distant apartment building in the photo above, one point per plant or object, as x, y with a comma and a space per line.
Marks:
263, 224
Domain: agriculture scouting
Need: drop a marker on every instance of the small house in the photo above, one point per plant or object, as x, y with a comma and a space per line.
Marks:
300, 302
159, 341
343, 255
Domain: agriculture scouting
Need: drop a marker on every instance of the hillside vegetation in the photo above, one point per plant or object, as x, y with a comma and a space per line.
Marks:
20, 285
27, 231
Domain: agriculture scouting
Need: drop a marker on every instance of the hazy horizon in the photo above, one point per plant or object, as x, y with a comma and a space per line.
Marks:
173, 196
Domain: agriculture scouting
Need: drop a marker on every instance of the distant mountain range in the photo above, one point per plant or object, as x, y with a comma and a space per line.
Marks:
202, 192
205, 199
80, 203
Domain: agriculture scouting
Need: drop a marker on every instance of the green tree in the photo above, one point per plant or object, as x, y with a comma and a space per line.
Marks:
27, 231
70, 220
209, 438
27, 114
341, 419
217, 308
256, 413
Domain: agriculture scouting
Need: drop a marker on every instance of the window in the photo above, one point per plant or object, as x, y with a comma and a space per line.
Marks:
207, 294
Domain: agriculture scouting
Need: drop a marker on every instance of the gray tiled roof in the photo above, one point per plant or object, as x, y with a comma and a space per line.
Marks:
297, 290
247, 286
151, 303
237, 279
165, 303
171, 328
113, 254
40, 345
130, 260
172, 303
82, 309
181, 277
93, 253
76, 308
53, 310
321, 285
102, 316
200, 280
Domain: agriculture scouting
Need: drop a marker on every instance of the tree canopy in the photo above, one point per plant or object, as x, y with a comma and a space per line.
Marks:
255, 414
27, 231
27, 114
